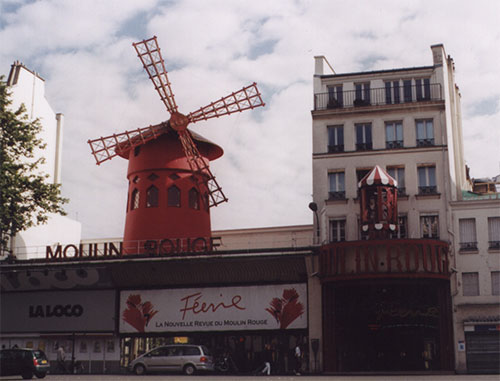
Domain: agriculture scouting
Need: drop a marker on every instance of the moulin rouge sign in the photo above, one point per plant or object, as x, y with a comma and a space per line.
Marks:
372, 258
219, 309
163, 247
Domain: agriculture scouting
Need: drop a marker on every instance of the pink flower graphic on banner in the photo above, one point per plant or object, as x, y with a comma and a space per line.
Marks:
287, 308
138, 314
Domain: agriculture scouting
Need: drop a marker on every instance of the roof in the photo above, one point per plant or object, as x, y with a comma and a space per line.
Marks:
377, 175
376, 72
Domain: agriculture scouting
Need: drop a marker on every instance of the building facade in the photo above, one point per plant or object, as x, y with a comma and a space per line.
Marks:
27, 88
390, 302
476, 299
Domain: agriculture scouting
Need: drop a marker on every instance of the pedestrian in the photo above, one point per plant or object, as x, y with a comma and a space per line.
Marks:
298, 360
268, 359
61, 357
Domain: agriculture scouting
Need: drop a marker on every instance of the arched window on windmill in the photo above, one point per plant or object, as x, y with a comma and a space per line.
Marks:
134, 201
194, 199
152, 197
174, 196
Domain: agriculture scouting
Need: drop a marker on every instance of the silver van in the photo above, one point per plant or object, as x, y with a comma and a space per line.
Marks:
184, 358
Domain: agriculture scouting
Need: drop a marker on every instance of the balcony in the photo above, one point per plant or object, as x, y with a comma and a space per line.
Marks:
495, 245
425, 142
391, 144
336, 148
376, 97
364, 146
468, 246
427, 190
333, 196
402, 192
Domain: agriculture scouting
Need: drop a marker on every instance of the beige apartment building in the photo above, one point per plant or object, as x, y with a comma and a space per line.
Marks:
407, 121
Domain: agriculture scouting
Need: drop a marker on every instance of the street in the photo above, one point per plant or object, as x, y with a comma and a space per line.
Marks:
174, 377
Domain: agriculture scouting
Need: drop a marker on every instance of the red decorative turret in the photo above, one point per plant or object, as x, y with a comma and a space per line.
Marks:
379, 210
171, 187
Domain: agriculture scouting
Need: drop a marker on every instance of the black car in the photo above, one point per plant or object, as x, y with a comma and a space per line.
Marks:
23, 362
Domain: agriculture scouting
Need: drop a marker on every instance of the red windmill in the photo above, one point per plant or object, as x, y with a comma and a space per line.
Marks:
171, 187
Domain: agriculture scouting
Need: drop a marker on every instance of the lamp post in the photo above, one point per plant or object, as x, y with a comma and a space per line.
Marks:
314, 207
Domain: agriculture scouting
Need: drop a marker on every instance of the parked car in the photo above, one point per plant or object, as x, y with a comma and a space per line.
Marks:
23, 362
185, 358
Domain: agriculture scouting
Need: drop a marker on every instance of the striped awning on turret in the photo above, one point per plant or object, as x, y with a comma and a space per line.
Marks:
377, 176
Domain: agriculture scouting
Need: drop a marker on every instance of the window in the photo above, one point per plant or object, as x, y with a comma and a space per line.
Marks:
360, 173
398, 174
362, 94
194, 199
337, 186
427, 180
423, 89
337, 230
402, 228
363, 136
429, 226
335, 139
494, 232
394, 135
470, 284
153, 177
425, 133
392, 92
134, 203
467, 227
174, 196
335, 96
495, 283
152, 197
407, 90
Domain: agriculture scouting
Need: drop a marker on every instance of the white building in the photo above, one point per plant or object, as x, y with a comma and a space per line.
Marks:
28, 88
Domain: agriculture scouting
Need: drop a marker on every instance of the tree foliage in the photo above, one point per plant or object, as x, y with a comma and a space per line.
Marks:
26, 198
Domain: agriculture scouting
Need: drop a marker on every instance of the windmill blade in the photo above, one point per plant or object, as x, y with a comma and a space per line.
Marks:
150, 56
199, 165
247, 98
105, 148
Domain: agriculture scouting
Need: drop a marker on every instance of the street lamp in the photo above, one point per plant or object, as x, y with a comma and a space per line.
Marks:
314, 207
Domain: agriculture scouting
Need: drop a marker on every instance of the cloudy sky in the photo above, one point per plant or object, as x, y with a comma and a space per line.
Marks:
83, 50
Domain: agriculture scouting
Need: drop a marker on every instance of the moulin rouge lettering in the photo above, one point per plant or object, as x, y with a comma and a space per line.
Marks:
161, 247
194, 303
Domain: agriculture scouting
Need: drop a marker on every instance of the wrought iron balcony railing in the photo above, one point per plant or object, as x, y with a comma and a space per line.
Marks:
425, 142
427, 190
336, 148
377, 96
336, 195
468, 246
394, 144
494, 245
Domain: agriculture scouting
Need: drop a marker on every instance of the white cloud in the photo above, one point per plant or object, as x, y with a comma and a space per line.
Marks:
83, 50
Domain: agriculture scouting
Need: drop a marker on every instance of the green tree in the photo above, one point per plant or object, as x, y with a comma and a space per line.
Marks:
26, 198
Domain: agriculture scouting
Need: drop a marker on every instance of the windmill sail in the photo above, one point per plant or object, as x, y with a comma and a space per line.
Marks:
150, 56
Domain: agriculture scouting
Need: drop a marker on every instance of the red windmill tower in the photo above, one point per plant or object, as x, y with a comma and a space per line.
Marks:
171, 187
